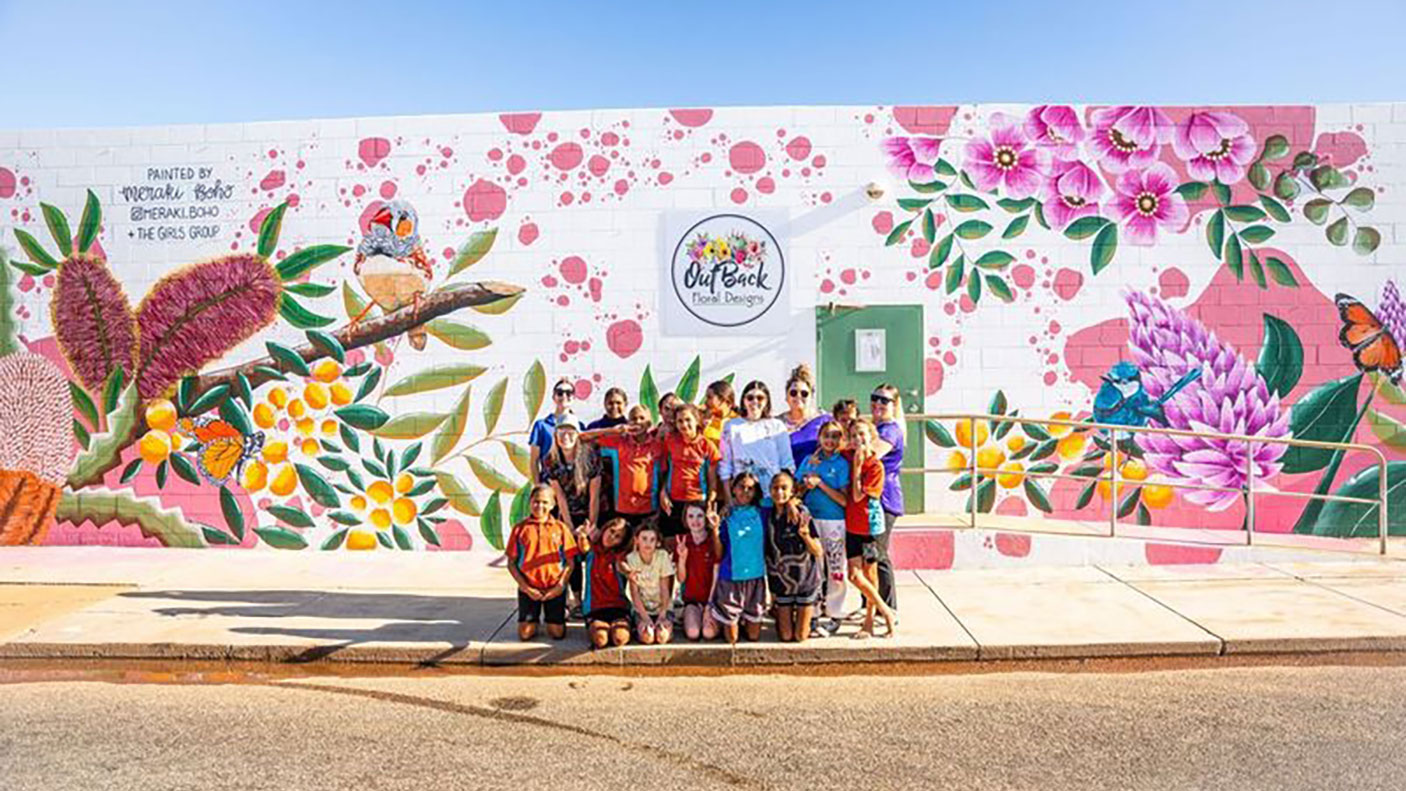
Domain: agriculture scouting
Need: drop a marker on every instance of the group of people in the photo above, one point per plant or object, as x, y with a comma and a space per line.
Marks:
711, 520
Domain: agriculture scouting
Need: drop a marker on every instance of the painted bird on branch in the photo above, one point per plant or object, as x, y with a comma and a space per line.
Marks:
1122, 400
391, 264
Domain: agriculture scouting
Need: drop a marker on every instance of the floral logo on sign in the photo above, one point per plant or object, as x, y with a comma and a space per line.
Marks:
734, 248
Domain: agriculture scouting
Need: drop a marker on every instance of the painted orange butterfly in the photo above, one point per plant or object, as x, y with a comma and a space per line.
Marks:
221, 449
1373, 348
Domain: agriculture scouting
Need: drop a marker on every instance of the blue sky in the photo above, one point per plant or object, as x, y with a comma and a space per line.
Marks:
136, 62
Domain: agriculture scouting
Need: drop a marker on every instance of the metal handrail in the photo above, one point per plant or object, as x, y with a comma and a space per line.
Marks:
1248, 490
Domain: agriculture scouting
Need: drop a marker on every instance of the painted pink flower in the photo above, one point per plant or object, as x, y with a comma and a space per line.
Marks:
1072, 191
1146, 200
1392, 312
1214, 146
1055, 128
739, 255
1125, 138
912, 158
1006, 159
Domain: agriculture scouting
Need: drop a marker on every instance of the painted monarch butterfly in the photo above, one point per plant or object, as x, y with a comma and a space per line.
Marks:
221, 449
1373, 348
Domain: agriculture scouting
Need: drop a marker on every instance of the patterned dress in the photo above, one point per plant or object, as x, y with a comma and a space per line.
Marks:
792, 573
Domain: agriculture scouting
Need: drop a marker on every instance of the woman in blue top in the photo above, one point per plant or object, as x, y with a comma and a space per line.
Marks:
801, 417
539, 439
756, 442
824, 480
888, 419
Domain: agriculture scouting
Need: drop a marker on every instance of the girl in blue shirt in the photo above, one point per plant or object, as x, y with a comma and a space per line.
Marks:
824, 481
739, 596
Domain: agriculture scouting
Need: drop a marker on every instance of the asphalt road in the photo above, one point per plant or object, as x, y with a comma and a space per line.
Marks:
1242, 728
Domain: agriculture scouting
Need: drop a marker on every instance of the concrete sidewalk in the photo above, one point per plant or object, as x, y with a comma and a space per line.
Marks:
62, 603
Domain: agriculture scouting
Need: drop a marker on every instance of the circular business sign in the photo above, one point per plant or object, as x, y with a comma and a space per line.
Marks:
727, 270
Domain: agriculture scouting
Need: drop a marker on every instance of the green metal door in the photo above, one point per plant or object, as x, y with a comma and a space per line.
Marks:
892, 351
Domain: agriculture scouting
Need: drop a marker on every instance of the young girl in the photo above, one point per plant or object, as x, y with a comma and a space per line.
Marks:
793, 560
845, 411
720, 405
540, 550
864, 523
651, 575
698, 571
669, 404
824, 478
607, 609
632, 454
570, 470
691, 473
740, 591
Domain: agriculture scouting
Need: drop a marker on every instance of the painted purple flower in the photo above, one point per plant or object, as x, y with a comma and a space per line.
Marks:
1214, 146
1128, 137
1072, 191
1228, 398
1055, 128
1006, 159
912, 158
1146, 200
1393, 312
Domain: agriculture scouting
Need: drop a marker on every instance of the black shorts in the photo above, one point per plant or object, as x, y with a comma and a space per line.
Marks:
608, 615
671, 525
858, 546
529, 610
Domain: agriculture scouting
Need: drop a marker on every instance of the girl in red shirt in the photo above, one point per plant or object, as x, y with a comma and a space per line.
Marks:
698, 571
864, 523
691, 472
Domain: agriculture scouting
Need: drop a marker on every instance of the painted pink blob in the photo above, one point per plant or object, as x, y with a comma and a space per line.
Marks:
7, 183
293, 199
1024, 276
1067, 283
1340, 148
766, 185
1050, 378
746, 157
370, 211
527, 234
495, 154
1177, 554
1011, 506
624, 337
621, 186
387, 189
272, 180
665, 178
799, 148
965, 304
573, 269
739, 195
484, 200
520, 123
1014, 545
827, 285
1174, 283
848, 277
359, 190
594, 287
924, 120
610, 139
919, 248
258, 220
598, 165
583, 389
566, 156
692, 117
883, 222
933, 374
934, 282
516, 164
372, 150
549, 281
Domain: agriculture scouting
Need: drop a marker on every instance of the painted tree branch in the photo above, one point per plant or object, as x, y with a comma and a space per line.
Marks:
366, 333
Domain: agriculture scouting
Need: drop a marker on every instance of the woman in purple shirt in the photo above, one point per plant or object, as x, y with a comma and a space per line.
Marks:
888, 418
802, 420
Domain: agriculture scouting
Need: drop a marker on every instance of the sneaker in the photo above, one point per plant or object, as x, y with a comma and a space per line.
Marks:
828, 625
576, 614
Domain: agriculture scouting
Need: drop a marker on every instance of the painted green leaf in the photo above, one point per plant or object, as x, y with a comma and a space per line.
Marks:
1234, 258
309, 290
162, 472
996, 259
940, 251
232, 412
435, 378
409, 426
34, 250
998, 403
944, 168
1256, 269
1388, 429
243, 390
1243, 213
184, 468
1275, 209
973, 229
955, 273
1327, 177
84, 404
427, 532
290, 515
974, 287
649, 392
474, 250
1016, 228
1104, 247
300, 262
368, 385
534, 389
269, 230
234, 515
1280, 362
33, 270
130, 471
498, 306
929, 226
344, 518
288, 358
1317, 209
208, 400
1257, 234
1327, 414
402, 539
328, 344
317, 487
58, 228
1215, 232
1280, 272
1258, 176
1084, 227
362, 416
1359, 520
100, 507
927, 187
1275, 147
966, 203
1222, 192
281, 538
335, 540
353, 303
1014, 206
459, 496
1193, 190
1366, 240
89, 223
1285, 186
452, 429
938, 434
490, 476
1305, 159
298, 316
517, 512
493, 405
1037, 496
458, 335
491, 523
1337, 232
688, 383
1360, 198
913, 204
106, 448
896, 234
998, 286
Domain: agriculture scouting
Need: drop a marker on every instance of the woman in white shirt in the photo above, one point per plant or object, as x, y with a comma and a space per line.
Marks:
756, 442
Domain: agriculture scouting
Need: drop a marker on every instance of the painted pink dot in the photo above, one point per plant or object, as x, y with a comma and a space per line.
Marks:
419, 170
549, 281
966, 305
624, 337
1067, 283
562, 356
552, 137
948, 308
563, 300
692, 117
571, 347
746, 157
520, 123
706, 157
585, 197
826, 197
49, 281
1024, 276
1052, 359
819, 162
799, 148
598, 165
566, 156
495, 154
910, 276
527, 234
766, 185
585, 347
301, 164
1051, 377
949, 357
484, 200
594, 287
573, 269
1174, 283
827, 285
359, 190
583, 388
1029, 253
273, 153
366, 214
934, 282
516, 164
920, 247
621, 186
805, 172
678, 134
372, 150
7, 183
883, 222
293, 199
258, 219
848, 277
932, 375
567, 199
665, 178
27, 283
868, 118
739, 195
1054, 327
272, 180
387, 190
447, 253
609, 139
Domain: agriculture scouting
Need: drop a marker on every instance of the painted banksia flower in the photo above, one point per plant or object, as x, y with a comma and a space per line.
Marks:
1230, 397
198, 313
93, 321
35, 415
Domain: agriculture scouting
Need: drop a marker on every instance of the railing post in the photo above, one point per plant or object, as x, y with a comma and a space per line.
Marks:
1250, 495
971, 427
1382, 523
1113, 488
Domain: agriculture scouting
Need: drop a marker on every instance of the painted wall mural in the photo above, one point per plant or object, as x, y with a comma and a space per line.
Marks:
333, 334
